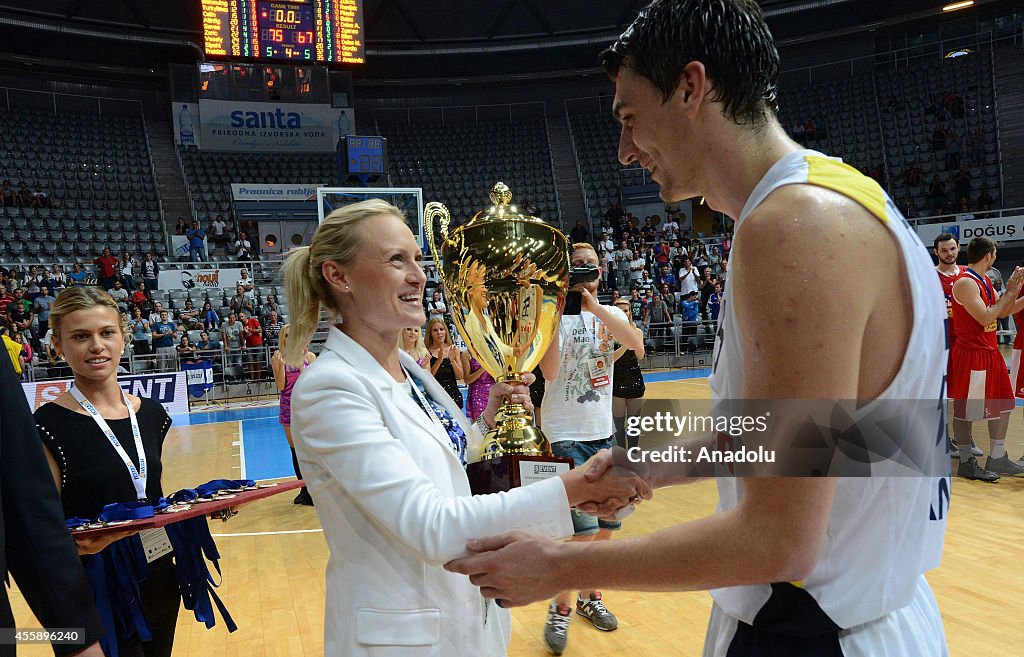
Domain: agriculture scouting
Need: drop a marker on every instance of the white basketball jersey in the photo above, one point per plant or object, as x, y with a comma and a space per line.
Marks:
884, 532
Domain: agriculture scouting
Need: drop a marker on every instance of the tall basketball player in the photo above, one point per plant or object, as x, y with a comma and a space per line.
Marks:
809, 566
947, 248
978, 382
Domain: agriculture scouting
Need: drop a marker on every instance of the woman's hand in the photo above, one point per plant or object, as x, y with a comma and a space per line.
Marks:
518, 394
94, 544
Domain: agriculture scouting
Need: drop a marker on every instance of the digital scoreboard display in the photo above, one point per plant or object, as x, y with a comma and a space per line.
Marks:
328, 31
366, 155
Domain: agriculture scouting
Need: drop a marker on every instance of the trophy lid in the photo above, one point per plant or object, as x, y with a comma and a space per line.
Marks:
501, 209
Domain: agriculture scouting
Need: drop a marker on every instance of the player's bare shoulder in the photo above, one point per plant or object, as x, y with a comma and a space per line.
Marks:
830, 229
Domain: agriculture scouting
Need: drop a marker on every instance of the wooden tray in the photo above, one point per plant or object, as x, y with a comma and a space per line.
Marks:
197, 509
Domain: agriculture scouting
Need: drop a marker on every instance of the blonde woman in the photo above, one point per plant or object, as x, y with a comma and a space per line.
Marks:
285, 377
445, 359
90, 435
383, 450
410, 341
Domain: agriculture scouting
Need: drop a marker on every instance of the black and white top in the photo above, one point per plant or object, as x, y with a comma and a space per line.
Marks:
92, 474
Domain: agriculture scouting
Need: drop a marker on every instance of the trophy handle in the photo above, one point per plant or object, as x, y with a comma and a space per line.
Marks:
430, 212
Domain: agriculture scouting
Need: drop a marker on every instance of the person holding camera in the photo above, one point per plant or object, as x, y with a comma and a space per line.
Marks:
577, 415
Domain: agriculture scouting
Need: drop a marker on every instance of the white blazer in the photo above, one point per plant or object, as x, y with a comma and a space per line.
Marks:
395, 505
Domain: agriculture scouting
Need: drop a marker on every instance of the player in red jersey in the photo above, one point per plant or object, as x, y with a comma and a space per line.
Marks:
947, 248
977, 379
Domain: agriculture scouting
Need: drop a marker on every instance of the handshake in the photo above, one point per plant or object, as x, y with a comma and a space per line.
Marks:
603, 488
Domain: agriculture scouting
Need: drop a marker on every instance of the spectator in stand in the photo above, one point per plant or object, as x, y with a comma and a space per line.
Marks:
7, 197
141, 296
107, 269
579, 233
186, 350
985, 199
24, 196
912, 176
614, 213
219, 231
986, 212
936, 194
270, 304
14, 351
241, 301
962, 182
939, 136
636, 308
150, 271
974, 147
965, 210
667, 279
19, 313
206, 348
623, 262
232, 331
253, 344
646, 283
196, 237
120, 296
43, 303
436, 307
637, 267
252, 229
272, 326
58, 279
128, 267
715, 303
671, 227
949, 208
952, 151
657, 318
689, 310
154, 316
77, 276
6, 298
142, 336
190, 316
687, 278
878, 173
670, 298
40, 199
245, 280
209, 317
706, 289
164, 335
181, 227
715, 259
242, 247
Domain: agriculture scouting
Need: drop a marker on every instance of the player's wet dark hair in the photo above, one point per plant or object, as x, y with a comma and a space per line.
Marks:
942, 237
980, 247
729, 37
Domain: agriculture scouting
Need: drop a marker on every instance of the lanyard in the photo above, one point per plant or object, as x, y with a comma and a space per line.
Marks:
138, 475
417, 394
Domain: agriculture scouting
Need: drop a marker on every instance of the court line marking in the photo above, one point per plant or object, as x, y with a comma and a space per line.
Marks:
276, 533
241, 449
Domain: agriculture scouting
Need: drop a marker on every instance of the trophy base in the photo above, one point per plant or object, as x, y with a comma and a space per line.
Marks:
512, 470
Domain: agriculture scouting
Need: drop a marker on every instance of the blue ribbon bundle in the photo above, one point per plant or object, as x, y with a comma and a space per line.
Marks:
114, 573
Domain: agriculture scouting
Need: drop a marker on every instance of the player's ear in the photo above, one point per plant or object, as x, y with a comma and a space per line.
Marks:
693, 87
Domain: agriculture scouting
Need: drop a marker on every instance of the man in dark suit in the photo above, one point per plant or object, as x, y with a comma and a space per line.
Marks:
35, 545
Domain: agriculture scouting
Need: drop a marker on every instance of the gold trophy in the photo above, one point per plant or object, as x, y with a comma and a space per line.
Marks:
505, 276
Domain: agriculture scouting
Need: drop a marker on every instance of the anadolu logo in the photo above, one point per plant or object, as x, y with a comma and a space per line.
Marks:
952, 229
275, 119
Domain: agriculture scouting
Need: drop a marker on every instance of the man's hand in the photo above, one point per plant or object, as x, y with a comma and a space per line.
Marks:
94, 544
1013, 284
589, 303
610, 476
519, 394
516, 568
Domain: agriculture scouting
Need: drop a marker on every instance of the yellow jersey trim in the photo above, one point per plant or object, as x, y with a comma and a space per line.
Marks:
841, 177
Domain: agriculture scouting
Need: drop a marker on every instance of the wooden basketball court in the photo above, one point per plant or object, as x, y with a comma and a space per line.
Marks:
274, 555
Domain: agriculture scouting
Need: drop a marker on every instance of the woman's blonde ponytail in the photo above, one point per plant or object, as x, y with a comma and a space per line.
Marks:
303, 302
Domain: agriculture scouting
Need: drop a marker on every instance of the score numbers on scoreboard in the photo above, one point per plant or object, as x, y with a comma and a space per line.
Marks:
329, 31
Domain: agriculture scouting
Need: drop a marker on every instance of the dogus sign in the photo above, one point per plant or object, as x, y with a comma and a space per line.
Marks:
168, 389
1003, 229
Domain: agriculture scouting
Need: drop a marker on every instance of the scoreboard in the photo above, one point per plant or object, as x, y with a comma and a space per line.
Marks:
329, 31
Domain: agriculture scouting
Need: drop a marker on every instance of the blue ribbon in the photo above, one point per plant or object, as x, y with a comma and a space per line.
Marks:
114, 576
193, 545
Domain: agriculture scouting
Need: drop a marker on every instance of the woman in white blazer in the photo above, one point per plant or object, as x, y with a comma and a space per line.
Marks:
383, 448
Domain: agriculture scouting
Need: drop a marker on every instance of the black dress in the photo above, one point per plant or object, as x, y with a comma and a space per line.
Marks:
93, 475
446, 377
627, 380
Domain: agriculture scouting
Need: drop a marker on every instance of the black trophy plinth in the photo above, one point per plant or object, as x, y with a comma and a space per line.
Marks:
509, 471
